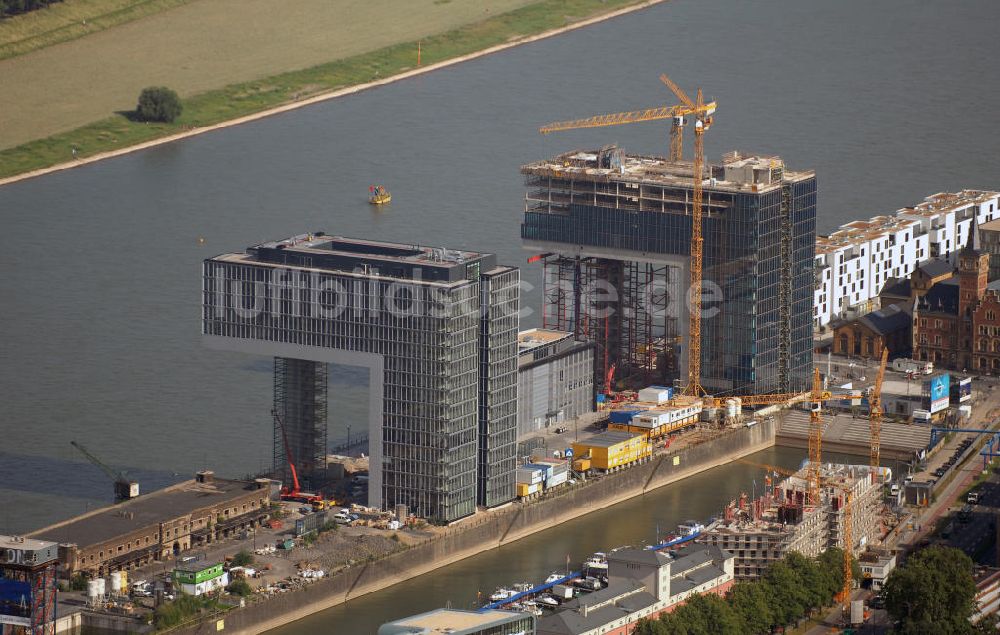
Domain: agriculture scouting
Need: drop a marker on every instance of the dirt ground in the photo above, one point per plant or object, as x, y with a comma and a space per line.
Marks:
203, 45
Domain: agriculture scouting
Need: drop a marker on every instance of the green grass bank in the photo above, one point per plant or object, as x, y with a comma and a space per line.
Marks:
242, 99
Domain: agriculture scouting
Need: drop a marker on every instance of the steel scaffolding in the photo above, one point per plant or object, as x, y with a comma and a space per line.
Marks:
300, 398
621, 306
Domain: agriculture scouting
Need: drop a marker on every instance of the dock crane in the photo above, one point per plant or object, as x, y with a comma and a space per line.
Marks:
702, 113
293, 493
124, 488
875, 415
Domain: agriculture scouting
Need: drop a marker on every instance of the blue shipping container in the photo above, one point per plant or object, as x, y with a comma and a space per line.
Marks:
623, 416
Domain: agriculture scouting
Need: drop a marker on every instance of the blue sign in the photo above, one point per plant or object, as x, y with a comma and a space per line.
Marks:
568, 453
940, 392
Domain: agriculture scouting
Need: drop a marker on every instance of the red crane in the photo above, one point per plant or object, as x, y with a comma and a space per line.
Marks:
294, 493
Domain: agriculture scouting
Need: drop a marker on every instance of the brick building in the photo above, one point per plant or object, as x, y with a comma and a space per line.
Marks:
866, 335
955, 316
158, 526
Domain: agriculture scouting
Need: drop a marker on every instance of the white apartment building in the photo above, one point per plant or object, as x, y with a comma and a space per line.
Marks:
853, 263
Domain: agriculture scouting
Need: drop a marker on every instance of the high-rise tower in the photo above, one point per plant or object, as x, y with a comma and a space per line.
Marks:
437, 331
615, 231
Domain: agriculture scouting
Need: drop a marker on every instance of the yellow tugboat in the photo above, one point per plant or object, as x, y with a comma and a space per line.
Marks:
378, 195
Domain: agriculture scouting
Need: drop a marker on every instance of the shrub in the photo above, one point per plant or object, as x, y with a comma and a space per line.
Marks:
158, 103
242, 558
78, 583
240, 587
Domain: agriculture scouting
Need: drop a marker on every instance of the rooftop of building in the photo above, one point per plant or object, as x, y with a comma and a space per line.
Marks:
947, 201
694, 555
25, 544
594, 610
533, 338
936, 267
640, 556
764, 516
990, 226
862, 231
450, 620
148, 510
607, 439
883, 321
197, 567
318, 251
660, 171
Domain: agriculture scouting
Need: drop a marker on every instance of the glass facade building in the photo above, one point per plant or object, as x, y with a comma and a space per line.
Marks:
437, 330
759, 240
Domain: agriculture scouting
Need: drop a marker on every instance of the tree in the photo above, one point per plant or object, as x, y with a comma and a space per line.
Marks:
789, 600
240, 587
158, 103
703, 614
750, 602
815, 581
242, 558
649, 627
933, 592
831, 562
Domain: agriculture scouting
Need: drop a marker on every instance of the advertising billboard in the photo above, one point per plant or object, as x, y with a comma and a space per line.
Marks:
15, 601
961, 390
939, 391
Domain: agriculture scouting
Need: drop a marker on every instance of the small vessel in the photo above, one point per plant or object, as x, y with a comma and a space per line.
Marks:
597, 561
554, 577
521, 587
502, 593
378, 195
690, 527
547, 600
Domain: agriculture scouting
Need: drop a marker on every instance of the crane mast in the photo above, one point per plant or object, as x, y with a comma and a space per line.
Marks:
697, 243
875, 416
845, 592
815, 437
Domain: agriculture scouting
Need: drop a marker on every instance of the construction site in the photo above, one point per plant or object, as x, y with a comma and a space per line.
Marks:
632, 246
846, 514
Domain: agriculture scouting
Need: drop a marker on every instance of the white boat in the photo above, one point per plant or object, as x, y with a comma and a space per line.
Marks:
547, 600
521, 587
597, 561
554, 577
502, 594
690, 527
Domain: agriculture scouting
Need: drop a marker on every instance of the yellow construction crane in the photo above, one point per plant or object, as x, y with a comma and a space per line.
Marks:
845, 592
677, 114
875, 415
702, 114
815, 436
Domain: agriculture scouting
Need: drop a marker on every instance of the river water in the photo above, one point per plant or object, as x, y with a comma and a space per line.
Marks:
99, 292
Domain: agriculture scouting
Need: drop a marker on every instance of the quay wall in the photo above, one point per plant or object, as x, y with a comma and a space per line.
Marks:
490, 530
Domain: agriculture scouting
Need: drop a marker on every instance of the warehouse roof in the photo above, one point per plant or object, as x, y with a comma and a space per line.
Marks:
694, 555
150, 509
452, 620
640, 556
617, 601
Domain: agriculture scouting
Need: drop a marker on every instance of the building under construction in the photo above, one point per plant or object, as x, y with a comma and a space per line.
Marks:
614, 234
764, 530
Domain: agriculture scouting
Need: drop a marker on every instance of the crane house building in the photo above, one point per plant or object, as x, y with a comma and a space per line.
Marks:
158, 526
